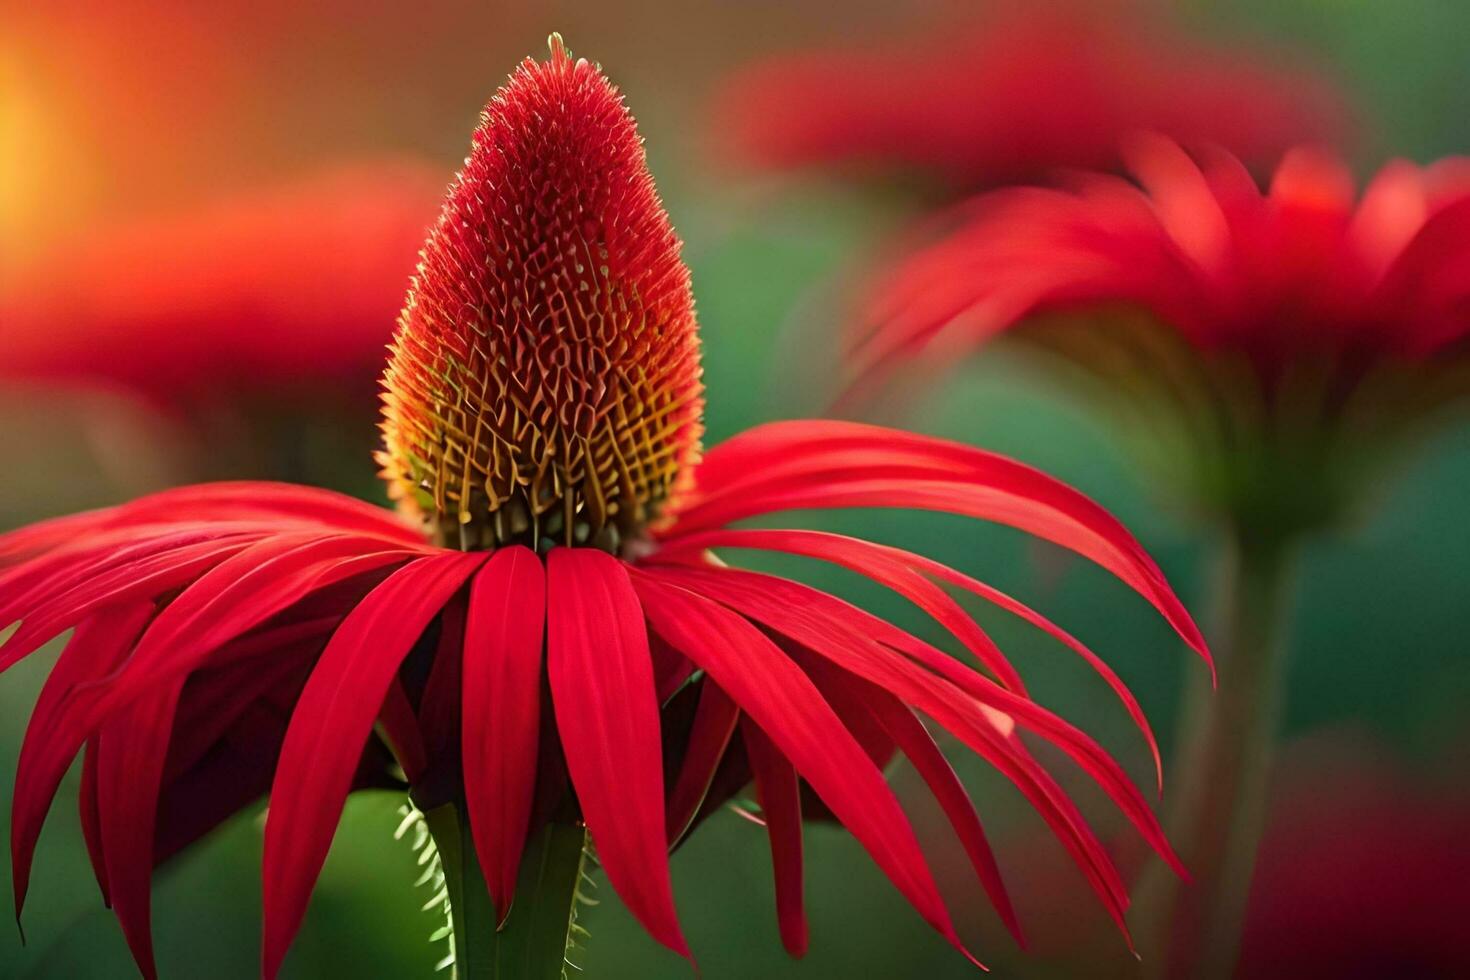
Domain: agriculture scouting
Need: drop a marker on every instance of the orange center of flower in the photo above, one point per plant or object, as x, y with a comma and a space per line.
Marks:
543, 383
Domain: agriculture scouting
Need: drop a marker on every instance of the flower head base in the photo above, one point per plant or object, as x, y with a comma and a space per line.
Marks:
543, 386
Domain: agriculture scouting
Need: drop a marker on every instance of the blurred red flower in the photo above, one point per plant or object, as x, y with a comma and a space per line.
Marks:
542, 423
286, 293
1293, 328
1364, 872
1033, 88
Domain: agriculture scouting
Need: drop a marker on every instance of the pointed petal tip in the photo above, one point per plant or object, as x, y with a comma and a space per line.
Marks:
1128, 939
969, 955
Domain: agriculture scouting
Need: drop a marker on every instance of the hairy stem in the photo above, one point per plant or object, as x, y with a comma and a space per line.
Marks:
533, 941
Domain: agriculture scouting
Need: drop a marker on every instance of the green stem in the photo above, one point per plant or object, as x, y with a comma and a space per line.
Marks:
532, 943
1218, 806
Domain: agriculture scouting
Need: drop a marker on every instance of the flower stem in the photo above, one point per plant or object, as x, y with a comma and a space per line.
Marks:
532, 943
1218, 811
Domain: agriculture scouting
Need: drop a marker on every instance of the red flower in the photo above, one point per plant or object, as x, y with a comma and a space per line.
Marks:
1016, 96
1297, 324
281, 293
542, 414
1358, 849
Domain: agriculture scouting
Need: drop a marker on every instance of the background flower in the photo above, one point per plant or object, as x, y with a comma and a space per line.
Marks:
1017, 93
232, 320
1269, 351
1361, 844
1291, 337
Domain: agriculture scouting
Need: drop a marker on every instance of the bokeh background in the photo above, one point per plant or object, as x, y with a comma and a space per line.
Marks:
117, 113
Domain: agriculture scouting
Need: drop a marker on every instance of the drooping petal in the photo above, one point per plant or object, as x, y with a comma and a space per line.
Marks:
1390, 214
269, 502
879, 655
189, 634
778, 789
47, 751
885, 568
1181, 198
774, 692
241, 593
58, 571
820, 464
332, 720
714, 725
852, 638
24, 542
879, 561
91, 817
270, 506
502, 711
249, 672
402, 731
440, 704
130, 773
602, 690
852, 695
671, 669
143, 580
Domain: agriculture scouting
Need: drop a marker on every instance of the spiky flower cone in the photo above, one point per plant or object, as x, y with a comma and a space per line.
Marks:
543, 387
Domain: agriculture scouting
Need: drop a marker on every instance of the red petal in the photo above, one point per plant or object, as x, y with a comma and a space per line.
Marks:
332, 720
879, 656
775, 693
778, 789
1392, 211
820, 464
130, 773
269, 502
143, 580
606, 710
670, 668
440, 710
49, 747
58, 571
260, 665
23, 542
502, 711
854, 553
850, 637
1185, 206
91, 818
848, 694
240, 594
709, 736
264, 503
887, 567
401, 727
